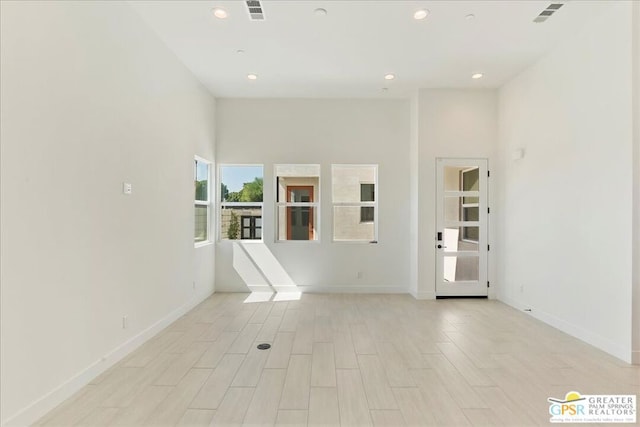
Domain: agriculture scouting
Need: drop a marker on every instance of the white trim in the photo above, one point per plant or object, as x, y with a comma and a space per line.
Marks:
352, 289
203, 244
40, 407
207, 203
423, 295
596, 340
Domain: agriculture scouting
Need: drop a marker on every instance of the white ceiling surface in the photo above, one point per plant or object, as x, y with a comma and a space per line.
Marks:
347, 52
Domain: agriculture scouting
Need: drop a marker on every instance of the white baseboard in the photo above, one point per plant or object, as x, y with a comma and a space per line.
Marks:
318, 289
423, 295
589, 337
46, 403
352, 289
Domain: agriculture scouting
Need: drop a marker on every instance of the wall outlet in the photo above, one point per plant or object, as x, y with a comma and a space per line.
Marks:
194, 286
359, 275
521, 288
125, 322
127, 188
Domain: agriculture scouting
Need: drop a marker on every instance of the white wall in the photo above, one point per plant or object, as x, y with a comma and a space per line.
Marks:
91, 98
636, 181
566, 220
324, 132
451, 123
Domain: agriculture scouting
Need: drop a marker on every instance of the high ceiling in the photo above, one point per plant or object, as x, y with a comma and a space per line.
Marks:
296, 52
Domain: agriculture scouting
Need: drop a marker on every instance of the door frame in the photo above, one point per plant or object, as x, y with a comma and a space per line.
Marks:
311, 189
475, 288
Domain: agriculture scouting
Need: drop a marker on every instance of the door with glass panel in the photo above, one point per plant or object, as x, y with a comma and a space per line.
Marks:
461, 227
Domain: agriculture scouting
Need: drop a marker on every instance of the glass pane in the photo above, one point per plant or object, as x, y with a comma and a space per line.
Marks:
258, 233
303, 195
297, 170
201, 223
470, 214
235, 220
461, 178
460, 239
202, 181
367, 214
461, 268
454, 210
241, 183
367, 192
259, 222
297, 223
471, 179
347, 224
347, 183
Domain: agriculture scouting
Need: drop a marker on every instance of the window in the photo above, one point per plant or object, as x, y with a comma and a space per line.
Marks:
201, 174
355, 203
297, 201
241, 202
367, 194
251, 227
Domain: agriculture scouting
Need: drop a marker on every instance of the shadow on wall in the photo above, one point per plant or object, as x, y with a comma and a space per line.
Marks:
262, 273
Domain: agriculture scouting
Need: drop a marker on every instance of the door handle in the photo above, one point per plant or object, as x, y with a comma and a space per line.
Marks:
439, 246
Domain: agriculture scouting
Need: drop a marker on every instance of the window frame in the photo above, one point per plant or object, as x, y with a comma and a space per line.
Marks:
315, 204
368, 201
221, 204
207, 203
359, 204
463, 237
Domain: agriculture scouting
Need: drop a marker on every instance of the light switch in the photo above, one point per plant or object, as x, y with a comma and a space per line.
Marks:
126, 188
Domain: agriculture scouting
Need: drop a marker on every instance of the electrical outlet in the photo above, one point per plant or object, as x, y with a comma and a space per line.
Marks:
359, 275
125, 322
521, 288
194, 286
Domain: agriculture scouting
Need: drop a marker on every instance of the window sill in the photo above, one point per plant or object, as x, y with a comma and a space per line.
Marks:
298, 241
356, 242
202, 244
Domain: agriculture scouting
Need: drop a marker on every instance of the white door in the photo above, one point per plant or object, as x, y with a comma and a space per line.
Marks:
461, 227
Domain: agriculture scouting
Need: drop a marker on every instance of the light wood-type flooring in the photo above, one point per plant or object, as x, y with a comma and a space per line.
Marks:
351, 360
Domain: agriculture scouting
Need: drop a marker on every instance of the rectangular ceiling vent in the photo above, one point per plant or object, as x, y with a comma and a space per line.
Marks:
255, 10
550, 10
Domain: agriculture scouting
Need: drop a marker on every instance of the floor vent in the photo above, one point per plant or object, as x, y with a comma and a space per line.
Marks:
545, 14
255, 10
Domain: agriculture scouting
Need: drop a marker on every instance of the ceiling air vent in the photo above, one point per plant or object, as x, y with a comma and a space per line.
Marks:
255, 10
545, 14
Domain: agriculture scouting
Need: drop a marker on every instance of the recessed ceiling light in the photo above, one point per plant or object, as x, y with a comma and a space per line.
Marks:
252, 76
469, 17
240, 51
420, 14
384, 89
389, 76
220, 13
477, 76
320, 11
